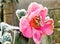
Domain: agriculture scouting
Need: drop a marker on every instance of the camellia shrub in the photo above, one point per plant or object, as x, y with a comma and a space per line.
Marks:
33, 24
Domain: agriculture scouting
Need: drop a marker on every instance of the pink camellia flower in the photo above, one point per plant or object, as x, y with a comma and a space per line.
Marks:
36, 23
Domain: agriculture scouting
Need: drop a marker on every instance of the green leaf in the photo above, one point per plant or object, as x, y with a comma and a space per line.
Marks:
19, 39
30, 41
20, 13
16, 38
22, 41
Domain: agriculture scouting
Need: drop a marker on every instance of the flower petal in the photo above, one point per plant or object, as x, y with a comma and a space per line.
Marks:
33, 7
33, 14
43, 13
37, 36
48, 27
25, 27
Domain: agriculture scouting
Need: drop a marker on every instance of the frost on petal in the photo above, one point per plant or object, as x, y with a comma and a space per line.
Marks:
33, 7
37, 36
25, 27
48, 27
43, 13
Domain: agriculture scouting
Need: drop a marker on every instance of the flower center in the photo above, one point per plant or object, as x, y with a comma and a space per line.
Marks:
36, 22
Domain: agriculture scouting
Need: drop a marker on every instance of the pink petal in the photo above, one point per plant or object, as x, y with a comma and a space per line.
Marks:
33, 14
25, 27
43, 13
48, 27
33, 7
37, 36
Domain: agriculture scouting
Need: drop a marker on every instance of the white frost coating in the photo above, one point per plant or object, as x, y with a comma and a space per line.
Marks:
8, 27
1, 39
47, 18
7, 37
19, 11
15, 32
7, 42
0, 33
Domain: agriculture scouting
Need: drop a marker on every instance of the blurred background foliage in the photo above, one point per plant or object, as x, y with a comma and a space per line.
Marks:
7, 14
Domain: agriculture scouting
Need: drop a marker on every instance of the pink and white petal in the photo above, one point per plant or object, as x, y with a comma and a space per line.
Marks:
33, 14
25, 27
48, 27
33, 7
36, 36
27, 32
23, 23
43, 13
